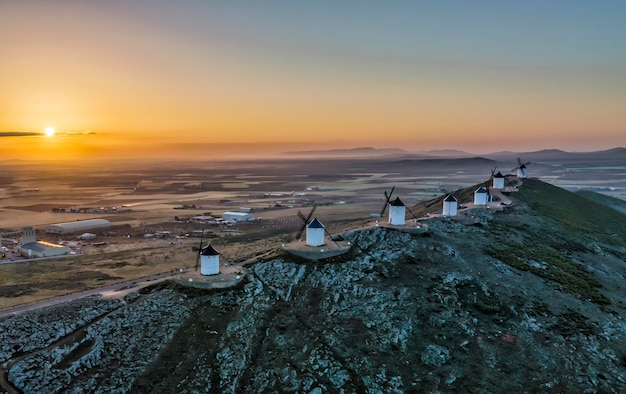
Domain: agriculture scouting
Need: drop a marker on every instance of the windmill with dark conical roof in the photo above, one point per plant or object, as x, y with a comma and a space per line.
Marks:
498, 181
397, 209
482, 196
209, 261
397, 212
450, 204
315, 229
521, 168
315, 233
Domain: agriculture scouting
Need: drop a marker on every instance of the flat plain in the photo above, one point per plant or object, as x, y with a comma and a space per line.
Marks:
141, 198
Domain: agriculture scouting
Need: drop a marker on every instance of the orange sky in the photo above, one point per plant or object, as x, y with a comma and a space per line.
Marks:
141, 75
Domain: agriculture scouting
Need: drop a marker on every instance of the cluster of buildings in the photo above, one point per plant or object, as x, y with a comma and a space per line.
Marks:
209, 257
107, 210
230, 217
30, 247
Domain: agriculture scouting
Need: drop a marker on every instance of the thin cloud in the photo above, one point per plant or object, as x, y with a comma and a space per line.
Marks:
86, 132
39, 134
19, 134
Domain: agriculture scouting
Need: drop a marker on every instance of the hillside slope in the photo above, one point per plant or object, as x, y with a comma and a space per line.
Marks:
528, 299
615, 203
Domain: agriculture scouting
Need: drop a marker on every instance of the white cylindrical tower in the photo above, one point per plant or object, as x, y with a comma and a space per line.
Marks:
450, 205
209, 261
397, 212
498, 181
315, 233
521, 171
481, 197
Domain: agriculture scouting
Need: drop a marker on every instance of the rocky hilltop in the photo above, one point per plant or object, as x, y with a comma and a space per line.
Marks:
528, 299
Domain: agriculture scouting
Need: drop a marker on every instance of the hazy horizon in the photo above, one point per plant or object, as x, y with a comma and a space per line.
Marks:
55, 149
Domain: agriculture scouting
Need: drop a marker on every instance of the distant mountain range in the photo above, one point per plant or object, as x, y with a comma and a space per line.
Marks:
369, 152
364, 151
545, 154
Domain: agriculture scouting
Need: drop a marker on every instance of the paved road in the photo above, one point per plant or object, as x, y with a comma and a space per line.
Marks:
106, 290
118, 289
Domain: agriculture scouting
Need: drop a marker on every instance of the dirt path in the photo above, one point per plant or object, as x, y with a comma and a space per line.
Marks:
501, 197
117, 290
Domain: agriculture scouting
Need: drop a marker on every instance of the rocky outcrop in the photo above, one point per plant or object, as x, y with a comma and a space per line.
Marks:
38, 329
112, 352
404, 313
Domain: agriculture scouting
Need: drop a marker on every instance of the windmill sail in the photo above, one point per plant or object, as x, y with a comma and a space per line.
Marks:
387, 201
305, 221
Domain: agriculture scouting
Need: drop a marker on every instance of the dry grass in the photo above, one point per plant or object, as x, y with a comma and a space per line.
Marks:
35, 280
160, 189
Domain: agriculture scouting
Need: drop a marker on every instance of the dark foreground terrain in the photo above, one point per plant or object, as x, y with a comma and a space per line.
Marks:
528, 299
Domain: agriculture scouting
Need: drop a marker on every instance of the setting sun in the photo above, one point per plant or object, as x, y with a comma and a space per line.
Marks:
49, 131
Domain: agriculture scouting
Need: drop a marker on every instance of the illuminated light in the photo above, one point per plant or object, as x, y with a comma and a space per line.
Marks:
49, 131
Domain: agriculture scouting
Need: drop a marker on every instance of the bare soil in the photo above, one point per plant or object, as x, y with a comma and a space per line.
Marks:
346, 192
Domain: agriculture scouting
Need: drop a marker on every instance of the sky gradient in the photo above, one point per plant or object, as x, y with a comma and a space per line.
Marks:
116, 77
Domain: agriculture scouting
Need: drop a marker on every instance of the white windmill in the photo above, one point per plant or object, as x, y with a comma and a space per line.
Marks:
482, 196
521, 168
397, 210
315, 233
498, 181
450, 204
315, 230
209, 261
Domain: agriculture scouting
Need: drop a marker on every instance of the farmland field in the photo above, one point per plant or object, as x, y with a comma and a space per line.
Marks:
145, 198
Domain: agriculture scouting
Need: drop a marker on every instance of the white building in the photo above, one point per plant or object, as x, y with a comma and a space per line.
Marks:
315, 233
521, 171
481, 197
397, 212
32, 248
237, 216
498, 181
450, 205
87, 236
209, 261
28, 235
79, 225
43, 249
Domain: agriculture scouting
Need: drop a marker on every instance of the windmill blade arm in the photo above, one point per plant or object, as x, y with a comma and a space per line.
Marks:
330, 236
308, 218
387, 200
411, 212
382, 212
299, 233
199, 250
